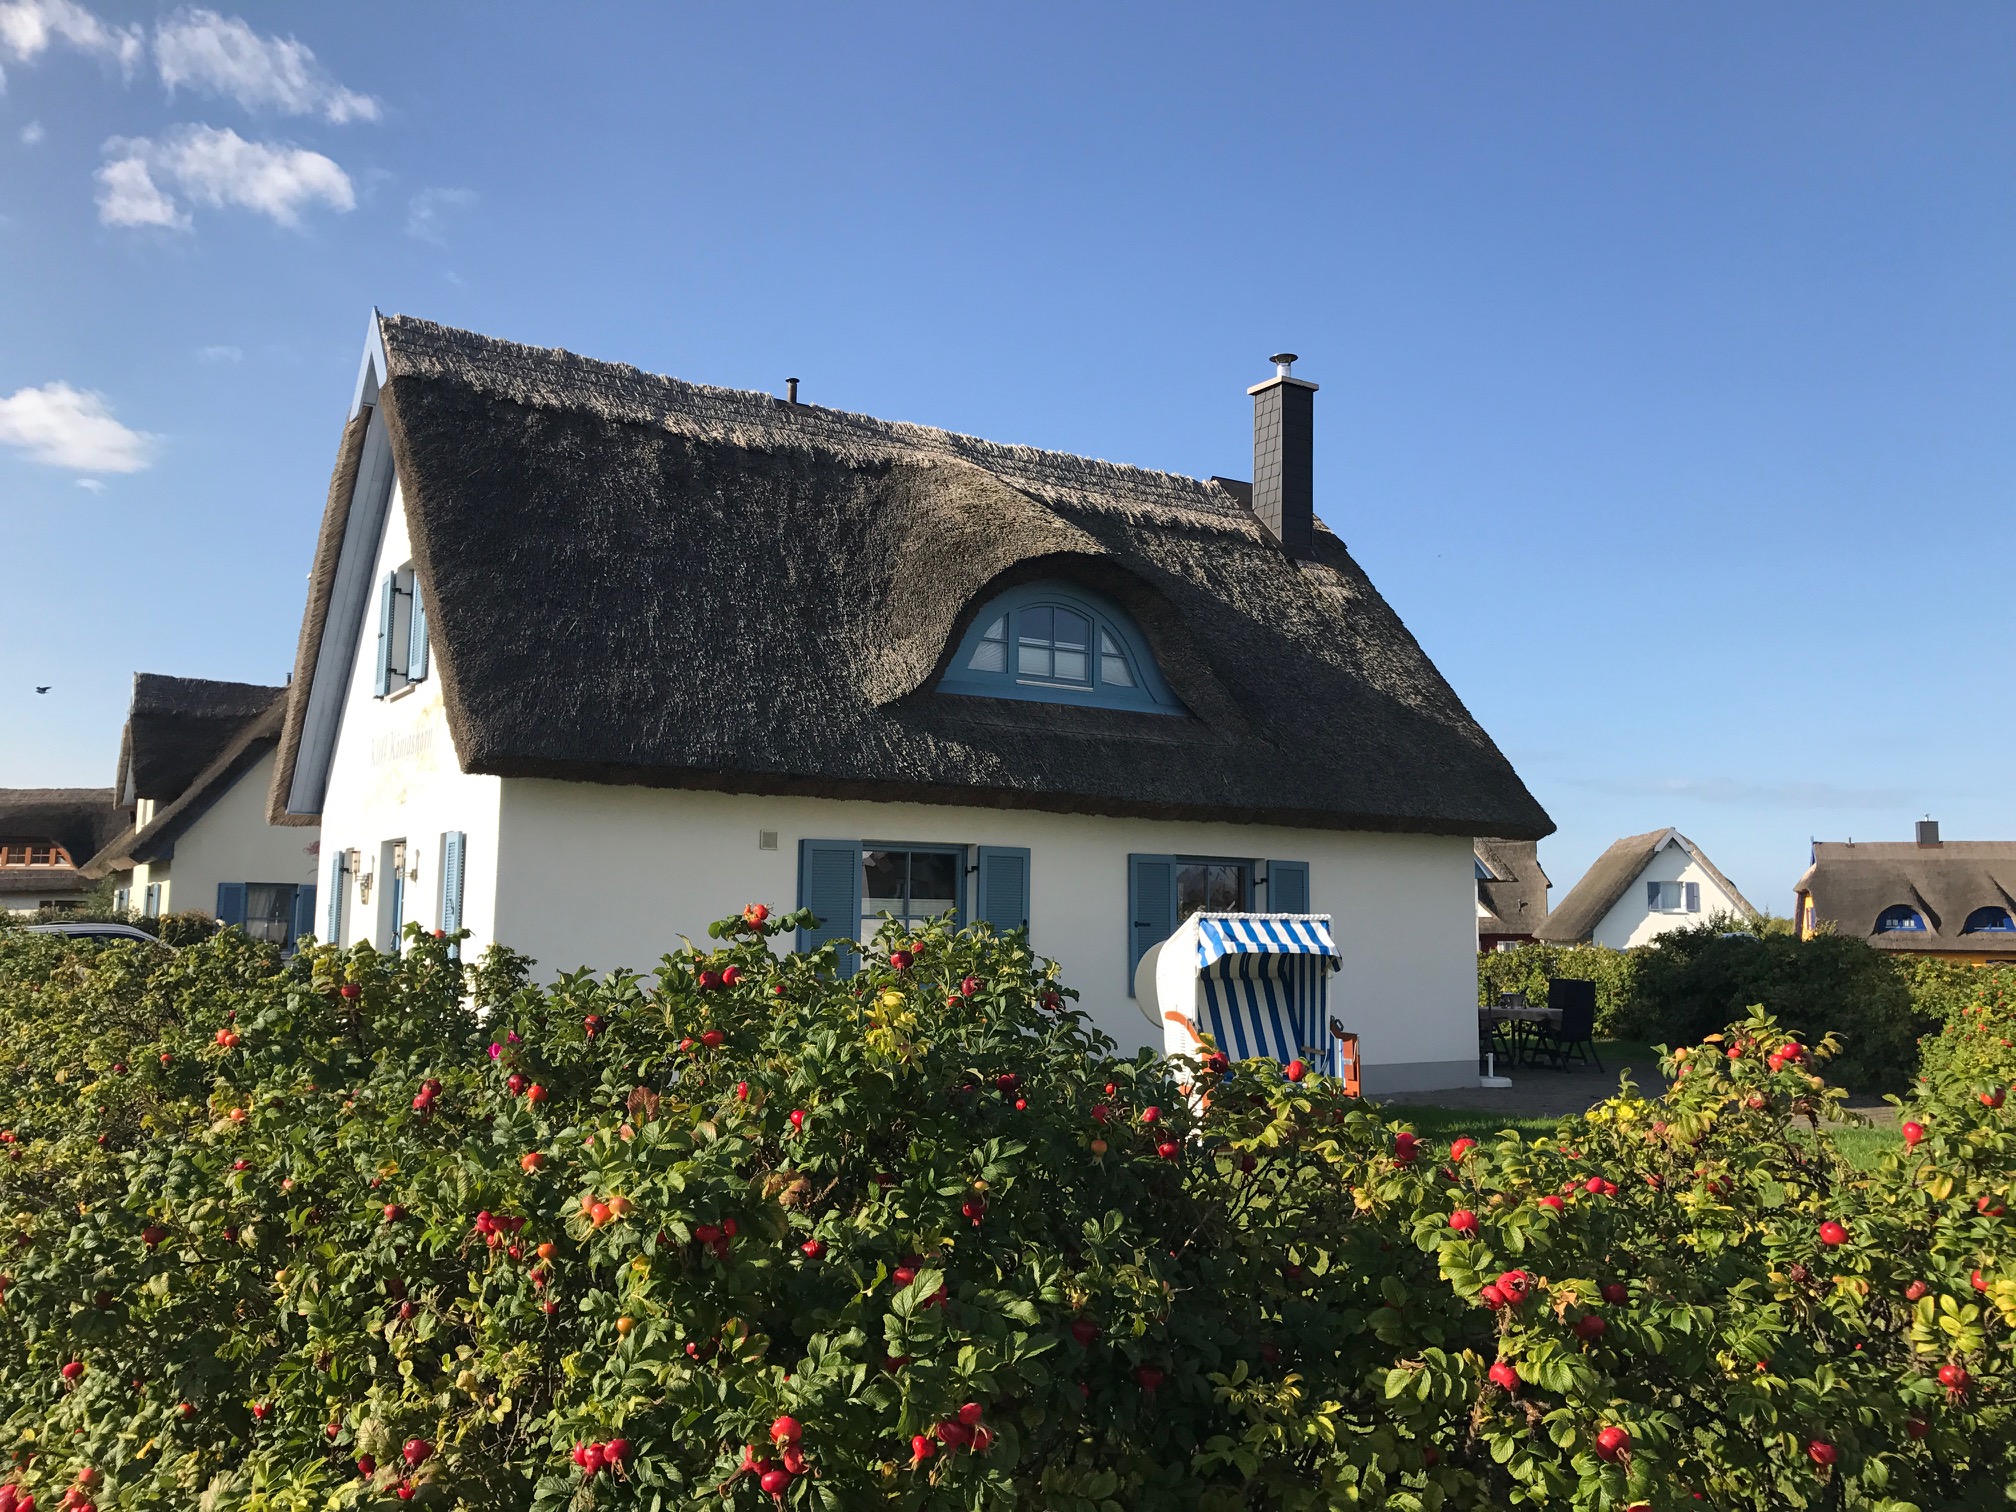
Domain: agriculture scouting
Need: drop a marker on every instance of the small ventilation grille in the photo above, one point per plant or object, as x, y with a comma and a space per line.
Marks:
766, 839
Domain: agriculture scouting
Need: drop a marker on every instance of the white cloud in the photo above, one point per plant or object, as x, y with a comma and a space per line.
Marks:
31, 133
141, 178
427, 213
91, 485
128, 196
66, 427
201, 50
220, 354
29, 27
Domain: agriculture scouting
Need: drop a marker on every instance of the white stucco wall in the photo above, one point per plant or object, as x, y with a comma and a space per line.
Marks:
1629, 922
232, 842
396, 777
612, 876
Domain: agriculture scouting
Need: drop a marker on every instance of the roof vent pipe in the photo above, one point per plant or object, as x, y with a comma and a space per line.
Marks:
1284, 468
1928, 832
790, 390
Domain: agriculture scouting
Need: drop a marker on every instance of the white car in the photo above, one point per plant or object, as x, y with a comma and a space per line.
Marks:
87, 929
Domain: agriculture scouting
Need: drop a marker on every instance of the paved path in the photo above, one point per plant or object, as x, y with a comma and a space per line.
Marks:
1543, 1093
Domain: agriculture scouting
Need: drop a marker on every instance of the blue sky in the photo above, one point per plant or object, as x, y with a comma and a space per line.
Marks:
1665, 351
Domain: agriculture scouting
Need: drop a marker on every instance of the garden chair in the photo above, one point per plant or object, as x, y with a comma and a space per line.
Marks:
1575, 1036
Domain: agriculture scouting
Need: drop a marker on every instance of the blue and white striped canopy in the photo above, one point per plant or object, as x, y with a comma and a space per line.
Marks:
1266, 987
1220, 935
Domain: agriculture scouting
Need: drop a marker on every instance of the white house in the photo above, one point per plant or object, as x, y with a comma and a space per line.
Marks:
1641, 887
196, 761
592, 657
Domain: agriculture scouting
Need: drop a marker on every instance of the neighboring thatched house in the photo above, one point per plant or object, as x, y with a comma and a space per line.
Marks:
592, 657
1947, 898
1511, 893
195, 763
1641, 887
46, 835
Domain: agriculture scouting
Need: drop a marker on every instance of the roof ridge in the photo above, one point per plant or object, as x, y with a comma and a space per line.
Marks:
789, 423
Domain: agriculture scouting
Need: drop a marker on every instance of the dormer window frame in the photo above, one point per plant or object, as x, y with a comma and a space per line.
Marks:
1055, 641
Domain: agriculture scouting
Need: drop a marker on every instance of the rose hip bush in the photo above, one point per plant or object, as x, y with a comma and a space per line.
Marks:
364, 1230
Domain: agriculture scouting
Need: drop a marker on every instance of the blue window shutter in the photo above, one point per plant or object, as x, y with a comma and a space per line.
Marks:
1004, 887
304, 912
829, 883
1693, 897
416, 637
388, 591
454, 846
1151, 907
335, 901
1288, 887
230, 902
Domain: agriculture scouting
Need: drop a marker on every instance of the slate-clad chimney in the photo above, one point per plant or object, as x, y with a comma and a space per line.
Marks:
1928, 832
1284, 436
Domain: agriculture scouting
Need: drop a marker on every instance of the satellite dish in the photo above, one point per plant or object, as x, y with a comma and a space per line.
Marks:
1144, 985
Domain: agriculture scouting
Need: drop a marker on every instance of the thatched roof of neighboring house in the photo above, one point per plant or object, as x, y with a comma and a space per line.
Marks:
78, 819
1852, 883
632, 579
246, 742
175, 728
1514, 898
1576, 917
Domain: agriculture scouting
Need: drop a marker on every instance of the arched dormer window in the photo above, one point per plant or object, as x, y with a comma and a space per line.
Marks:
1990, 920
1057, 642
1900, 918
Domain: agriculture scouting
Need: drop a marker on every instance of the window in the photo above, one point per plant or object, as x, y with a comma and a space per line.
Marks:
1484, 873
1059, 643
32, 853
1900, 918
1673, 897
851, 884
1990, 920
911, 886
1163, 891
277, 912
402, 632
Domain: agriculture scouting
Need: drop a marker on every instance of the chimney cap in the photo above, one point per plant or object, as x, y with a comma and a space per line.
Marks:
1283, 361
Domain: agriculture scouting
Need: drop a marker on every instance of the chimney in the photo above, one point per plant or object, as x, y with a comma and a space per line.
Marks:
1284, 479
1928, 832
790, 390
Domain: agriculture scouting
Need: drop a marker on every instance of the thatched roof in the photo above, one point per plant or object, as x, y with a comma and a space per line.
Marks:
1576, 917
78, 819
1852, 883
246, 743
637, 580
177, 725
1516, 901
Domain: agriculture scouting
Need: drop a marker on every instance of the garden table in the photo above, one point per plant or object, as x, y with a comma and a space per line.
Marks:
1517, 1026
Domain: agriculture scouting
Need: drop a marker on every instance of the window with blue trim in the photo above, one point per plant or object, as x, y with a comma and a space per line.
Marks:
1900, 917
1056, 642
1990, 921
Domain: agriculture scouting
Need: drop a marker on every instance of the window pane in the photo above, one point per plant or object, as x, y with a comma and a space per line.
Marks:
1036, 625
883, 878
1192, 889
267, 908
991, 655
1228, 890
934, 884
1113, 666
1070, 666
1073, 629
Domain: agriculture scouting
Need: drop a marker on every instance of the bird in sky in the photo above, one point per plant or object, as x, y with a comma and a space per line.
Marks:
43, 689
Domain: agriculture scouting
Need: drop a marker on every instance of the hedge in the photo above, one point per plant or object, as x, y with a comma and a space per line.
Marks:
751, 1233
